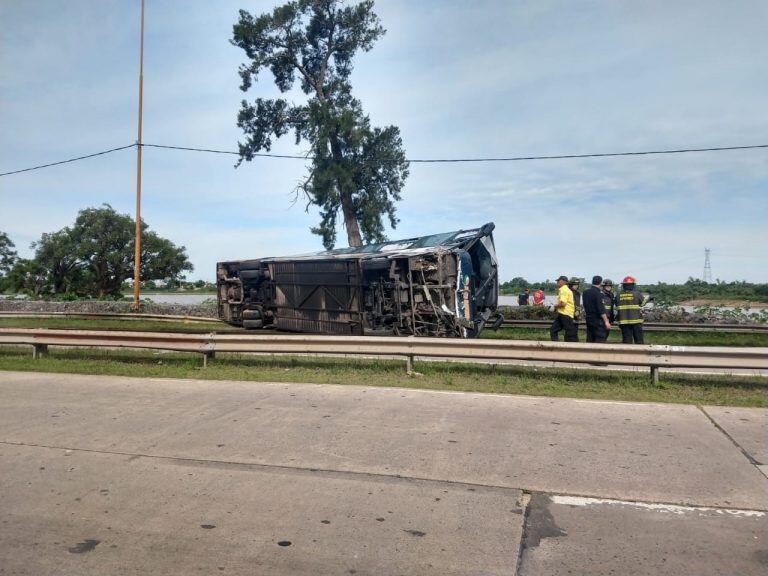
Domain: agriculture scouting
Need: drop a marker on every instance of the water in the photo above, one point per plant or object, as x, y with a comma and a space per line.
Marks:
188, 299
511, 300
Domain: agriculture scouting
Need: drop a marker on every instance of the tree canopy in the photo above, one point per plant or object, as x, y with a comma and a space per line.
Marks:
355, 168
8, 255
95, 256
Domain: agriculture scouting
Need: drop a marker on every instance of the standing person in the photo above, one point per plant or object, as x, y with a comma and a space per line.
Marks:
522, 298
574, 284
596, 317
538, 297
629, 312
564, 309
609, 300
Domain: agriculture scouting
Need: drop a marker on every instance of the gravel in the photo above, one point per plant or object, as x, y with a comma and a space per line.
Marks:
205, 310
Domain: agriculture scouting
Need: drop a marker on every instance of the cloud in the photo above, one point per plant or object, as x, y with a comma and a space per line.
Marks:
490, 78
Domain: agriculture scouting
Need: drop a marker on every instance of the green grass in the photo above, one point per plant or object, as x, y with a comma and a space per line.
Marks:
650, 337
573, 383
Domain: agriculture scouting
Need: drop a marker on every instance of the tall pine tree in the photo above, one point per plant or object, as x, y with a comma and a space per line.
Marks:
355, 168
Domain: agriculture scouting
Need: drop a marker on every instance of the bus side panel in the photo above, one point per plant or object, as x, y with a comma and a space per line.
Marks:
320, 296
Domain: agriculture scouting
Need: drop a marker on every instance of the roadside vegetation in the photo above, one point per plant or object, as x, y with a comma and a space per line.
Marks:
90, 259
725, 293
659, 313
671, 338
572, 383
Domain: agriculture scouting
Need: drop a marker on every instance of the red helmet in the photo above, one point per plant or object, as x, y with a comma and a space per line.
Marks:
629, 280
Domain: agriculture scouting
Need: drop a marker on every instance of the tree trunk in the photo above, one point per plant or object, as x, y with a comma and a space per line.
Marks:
350, 221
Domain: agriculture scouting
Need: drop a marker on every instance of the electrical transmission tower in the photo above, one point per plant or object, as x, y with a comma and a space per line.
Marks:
707, 267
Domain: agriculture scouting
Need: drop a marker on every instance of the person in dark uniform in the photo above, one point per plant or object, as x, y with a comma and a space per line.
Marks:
522, 298
630, 313
574, 284
595, 314
609, 301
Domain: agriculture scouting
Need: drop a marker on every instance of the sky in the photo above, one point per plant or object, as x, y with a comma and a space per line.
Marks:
490, 78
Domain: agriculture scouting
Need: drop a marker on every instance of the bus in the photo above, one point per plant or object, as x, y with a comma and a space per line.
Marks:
442, 285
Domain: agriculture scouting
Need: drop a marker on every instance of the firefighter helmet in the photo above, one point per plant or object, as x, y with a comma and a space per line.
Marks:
607, 282
629, 280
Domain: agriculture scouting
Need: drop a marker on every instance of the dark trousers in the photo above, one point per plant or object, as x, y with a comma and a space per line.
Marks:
563, 322
630, 332
596, 332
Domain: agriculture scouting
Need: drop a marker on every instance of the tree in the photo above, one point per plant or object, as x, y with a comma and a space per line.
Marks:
160, 258
8, 255
95, 256
104, 246
57, 253
355, 168
26, 276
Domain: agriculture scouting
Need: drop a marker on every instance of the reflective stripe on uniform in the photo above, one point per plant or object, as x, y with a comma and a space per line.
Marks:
629, 309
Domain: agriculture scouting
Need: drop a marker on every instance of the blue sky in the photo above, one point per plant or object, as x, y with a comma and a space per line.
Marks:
486, 78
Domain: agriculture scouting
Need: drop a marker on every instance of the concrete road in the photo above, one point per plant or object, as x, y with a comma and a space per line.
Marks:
103, 475
575, 535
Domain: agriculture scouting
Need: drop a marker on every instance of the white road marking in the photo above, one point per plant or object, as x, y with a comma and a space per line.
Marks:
665, 508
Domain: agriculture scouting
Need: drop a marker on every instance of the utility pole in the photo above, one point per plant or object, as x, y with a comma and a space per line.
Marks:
137, 242
707, 267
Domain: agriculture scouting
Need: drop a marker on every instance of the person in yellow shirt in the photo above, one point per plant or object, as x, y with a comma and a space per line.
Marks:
564, 309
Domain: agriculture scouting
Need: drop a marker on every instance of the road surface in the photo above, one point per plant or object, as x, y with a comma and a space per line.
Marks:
111, 475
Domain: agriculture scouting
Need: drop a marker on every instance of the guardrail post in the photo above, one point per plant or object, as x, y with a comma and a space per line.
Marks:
210, 352
409, 364
39, 351
654, 375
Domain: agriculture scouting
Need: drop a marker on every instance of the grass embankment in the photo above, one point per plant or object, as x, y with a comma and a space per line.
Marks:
670, 338
581, 383
680, 388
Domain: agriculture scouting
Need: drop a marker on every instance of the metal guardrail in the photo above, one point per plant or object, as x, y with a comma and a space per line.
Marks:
659, 326
473, 351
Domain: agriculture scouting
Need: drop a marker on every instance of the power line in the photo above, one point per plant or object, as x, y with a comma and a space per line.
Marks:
503, 159
262, 154
412, 160
67, 161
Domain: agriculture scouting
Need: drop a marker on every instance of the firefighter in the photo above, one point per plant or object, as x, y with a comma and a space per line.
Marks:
629, 312
609, 300
574, 284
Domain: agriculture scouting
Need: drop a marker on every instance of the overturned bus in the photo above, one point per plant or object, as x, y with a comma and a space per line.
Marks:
443, 285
